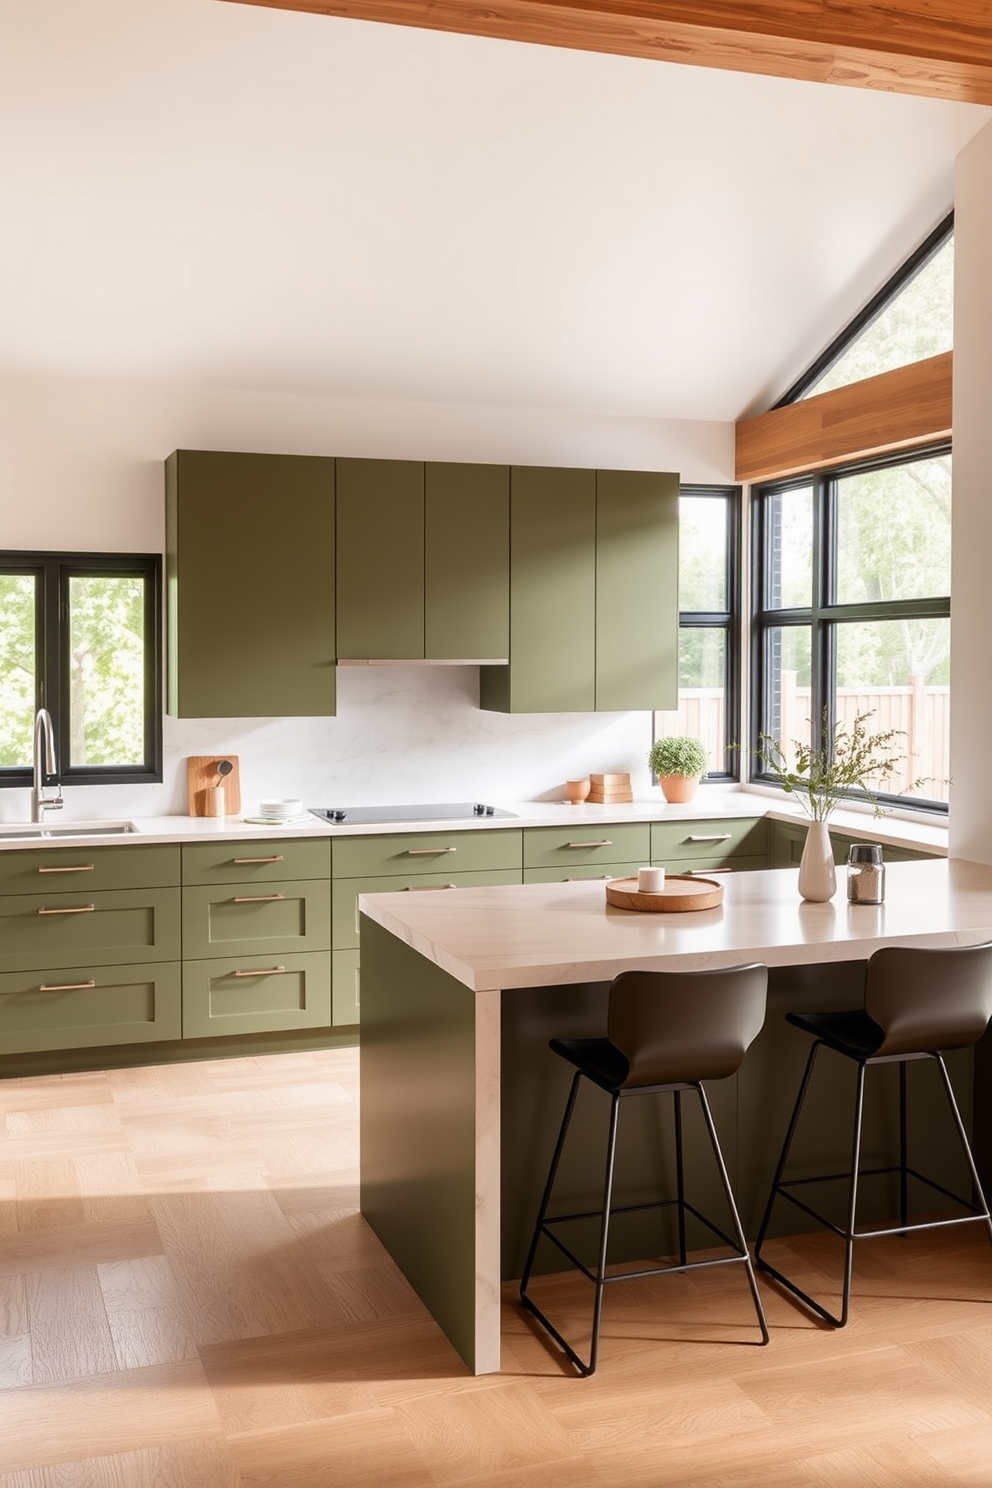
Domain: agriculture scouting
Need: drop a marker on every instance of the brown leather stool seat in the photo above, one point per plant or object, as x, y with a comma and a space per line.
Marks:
666, 1032
918, 1001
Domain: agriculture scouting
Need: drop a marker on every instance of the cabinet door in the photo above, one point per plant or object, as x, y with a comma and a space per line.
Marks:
637, 610
250, 571
257, 919
87, 1007
259, 995
119, 926
552, 595
467, 562
380, 559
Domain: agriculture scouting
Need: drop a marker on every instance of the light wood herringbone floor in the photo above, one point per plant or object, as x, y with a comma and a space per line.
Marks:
189, 1299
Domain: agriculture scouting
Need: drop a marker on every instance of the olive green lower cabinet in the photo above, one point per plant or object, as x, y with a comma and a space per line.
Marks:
89, 960
256, 937
787, 840
560, 854
407, 862
732, 844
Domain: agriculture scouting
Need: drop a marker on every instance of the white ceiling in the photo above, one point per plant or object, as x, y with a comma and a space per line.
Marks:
236, 196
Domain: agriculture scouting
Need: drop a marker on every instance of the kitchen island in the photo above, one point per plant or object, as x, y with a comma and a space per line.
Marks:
460, 993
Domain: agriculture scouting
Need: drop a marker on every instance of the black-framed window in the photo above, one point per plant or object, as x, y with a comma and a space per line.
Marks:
80, 634
851, 585
709, 625
909, 318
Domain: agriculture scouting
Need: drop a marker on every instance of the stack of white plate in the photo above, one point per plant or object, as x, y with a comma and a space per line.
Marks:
280, 811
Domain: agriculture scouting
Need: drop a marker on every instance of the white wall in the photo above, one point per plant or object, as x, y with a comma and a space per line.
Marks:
81, 469
971, 612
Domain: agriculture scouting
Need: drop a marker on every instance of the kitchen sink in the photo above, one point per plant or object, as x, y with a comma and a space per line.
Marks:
32, 830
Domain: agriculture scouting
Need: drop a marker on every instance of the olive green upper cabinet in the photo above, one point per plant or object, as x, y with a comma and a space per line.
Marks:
552, 595
593, 593
250, 564
637, 611
467, 562
380, 554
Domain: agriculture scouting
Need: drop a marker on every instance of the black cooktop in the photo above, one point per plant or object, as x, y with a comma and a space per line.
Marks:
449, 811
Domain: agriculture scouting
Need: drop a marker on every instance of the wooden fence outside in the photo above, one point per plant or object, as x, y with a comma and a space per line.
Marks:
920, 713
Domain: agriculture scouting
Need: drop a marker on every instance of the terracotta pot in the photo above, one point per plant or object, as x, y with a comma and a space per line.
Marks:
679, 787
576, 791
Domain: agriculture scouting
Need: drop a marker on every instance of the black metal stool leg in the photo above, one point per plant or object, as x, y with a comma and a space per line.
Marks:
903, 1144
604, 1235
735, 1216
859, 1106
680, 1174
784, 1156
969, 1158
549, 1185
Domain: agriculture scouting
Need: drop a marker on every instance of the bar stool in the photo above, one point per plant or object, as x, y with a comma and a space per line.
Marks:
917, 1002
666, 1032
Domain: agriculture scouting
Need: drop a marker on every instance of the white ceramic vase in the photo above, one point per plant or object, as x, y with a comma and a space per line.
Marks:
817, 878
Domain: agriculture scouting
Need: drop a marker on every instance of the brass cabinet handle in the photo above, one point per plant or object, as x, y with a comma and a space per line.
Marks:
428, 852
261, 971
65, 986
714, 837
77, 909
256, 898
701, 872
275, 858
594, 878
71, 868
426, 888
604, 842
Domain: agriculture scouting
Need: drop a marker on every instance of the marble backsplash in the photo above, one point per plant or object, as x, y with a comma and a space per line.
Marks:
402, 734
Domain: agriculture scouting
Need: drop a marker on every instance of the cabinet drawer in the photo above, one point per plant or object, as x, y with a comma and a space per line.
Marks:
250, 862
86, 1007
565, 847
346, 988
708, 839
256, 919
345, 892
61, 870
562, 874
256, 994
720, 867
125, 926
425, 852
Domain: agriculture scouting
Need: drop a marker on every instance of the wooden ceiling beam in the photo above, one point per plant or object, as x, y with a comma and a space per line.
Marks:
896, 410
936, 48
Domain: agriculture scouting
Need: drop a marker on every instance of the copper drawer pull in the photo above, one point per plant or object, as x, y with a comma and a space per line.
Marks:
72, 868
66, 986
276, 858
426, 888
593, 878
261, 971
428, 852
701, 872
605, 842
256, 898
716, 837
79, 909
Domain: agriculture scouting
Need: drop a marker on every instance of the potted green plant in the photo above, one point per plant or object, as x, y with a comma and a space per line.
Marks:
853, 763
679, 762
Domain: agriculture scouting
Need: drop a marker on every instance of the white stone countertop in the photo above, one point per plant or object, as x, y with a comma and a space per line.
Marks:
711, 802
554, 934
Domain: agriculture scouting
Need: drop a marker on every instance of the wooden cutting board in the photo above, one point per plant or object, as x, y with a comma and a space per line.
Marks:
202, 776
680, 893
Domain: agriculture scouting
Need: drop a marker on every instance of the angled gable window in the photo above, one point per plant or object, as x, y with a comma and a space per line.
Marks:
911, 318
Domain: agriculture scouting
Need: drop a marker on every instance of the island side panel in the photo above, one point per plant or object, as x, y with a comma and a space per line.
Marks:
430, 1137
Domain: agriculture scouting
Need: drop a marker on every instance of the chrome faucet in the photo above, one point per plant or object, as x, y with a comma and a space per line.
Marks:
44, 764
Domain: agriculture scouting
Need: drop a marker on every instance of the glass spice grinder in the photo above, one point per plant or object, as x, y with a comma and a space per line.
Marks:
865, 873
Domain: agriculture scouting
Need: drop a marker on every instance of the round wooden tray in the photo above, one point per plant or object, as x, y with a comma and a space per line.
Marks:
680, 893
